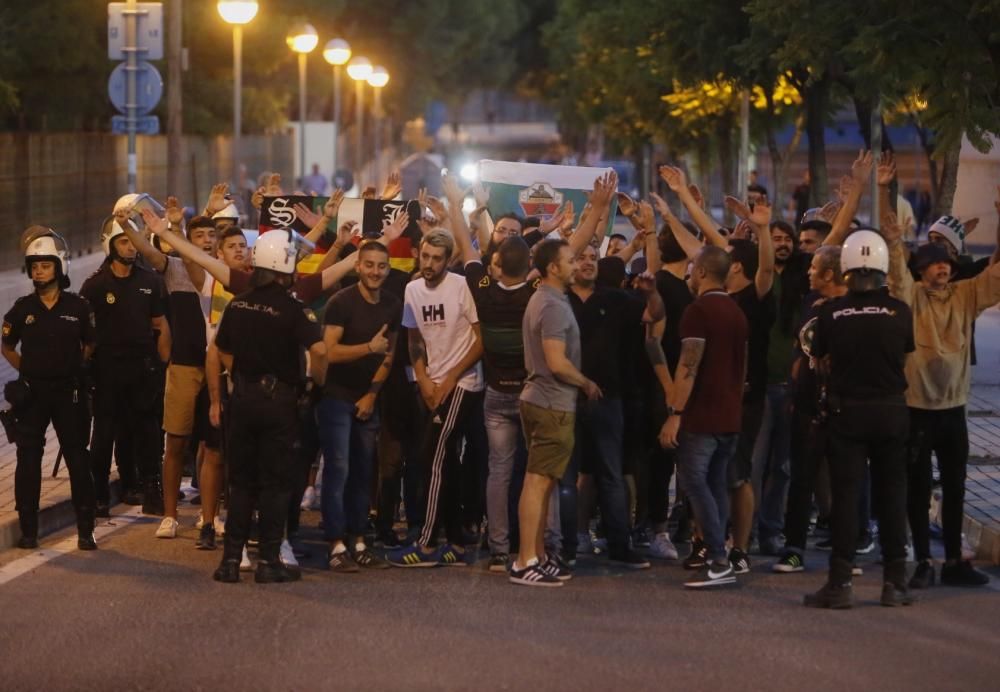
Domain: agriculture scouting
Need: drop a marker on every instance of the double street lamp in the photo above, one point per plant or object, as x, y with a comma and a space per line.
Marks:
237, 13
302, 39
337, 52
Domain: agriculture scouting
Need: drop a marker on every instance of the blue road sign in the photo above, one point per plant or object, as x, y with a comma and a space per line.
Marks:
148, 88
146, 125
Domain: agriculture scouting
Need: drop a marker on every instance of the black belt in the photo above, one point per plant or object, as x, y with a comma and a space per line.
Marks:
269, 384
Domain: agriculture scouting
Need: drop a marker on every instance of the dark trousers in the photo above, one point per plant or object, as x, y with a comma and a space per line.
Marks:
60, 402
125, 410
475, 468
945, 433
260, 448
403, 416
863, 432
598, 450
808, 445
657, 465
442, 456
305, 452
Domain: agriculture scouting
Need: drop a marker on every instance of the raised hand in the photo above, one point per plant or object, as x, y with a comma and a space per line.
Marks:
437, 209
568, 217
332, 206
647, 219
306, 215
346, 232
861, 169
674, 177
604, 190
379, 343
481, 194
742, 231
845, 187
257, 198
154, 223
393, 229
368, 192
217, 199
645, 283
452, 190
273, 187
699, 198
761, 214
392, 186
829, 211
553, 222
890, 228
175, 214
886, 169
737, 207
662, 208
626, 205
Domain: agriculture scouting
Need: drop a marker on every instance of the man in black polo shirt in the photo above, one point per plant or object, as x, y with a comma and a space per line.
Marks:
260, 341
605, 316
56, 331
128, 304
862, 340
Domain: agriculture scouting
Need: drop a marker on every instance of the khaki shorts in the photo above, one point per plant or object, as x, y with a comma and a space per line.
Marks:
180, 399
549, 435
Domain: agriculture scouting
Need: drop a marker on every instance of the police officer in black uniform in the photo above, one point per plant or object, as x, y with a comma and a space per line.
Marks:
261, 339
862, 340
129, 306
56, 331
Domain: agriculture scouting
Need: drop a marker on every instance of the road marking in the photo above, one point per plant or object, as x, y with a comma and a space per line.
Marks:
36, 559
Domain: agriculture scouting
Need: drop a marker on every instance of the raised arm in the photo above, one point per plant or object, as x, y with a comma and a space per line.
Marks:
330, 210
899, 279
460, 229
861, 171
760, 217
156, 259
600, 202
213, 265
688, 242
676, 180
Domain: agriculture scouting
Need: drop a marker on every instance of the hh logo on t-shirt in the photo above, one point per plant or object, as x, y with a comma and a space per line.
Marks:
433, 313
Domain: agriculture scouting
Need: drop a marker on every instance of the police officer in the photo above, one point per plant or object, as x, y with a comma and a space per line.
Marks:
128, 303
56, 331
861, 340
260, 341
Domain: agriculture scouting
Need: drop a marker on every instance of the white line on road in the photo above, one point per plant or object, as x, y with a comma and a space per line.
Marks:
36, 559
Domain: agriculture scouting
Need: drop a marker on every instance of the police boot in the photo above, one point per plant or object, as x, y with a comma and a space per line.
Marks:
838, 592
85, 529
894, 587
273, 512
29, 529
152, 499
228, 571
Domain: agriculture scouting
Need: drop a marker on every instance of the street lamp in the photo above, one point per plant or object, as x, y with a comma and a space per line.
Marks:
337, 52
302, 39
359, 69
237, 13
378, 79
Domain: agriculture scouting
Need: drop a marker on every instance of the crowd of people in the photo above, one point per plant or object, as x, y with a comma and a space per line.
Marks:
528, 384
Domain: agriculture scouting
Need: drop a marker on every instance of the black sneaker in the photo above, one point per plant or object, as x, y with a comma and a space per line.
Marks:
228, 572
86, 542
342, 562
499, 563
740, 561
698, 556
102, 511
790, 562
275, 573
28, 542
866, 544
532, 576
206, 537
923, 575
553, 566
826, 544
132, 497
640, 537
831, 596
714, 574
369, 560
569, 558
962, 573
895, 595
629, 558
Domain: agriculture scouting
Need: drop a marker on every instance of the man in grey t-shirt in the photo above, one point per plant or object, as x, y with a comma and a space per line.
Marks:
548, 404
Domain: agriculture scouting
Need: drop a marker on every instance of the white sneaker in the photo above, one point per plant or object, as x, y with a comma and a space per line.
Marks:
286, 555
220, 526
168, 528
661, 547
245, 564
308, 498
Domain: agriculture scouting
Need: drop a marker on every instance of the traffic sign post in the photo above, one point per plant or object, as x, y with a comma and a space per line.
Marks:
135, 30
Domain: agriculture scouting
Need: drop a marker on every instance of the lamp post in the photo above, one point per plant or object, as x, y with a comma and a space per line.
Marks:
237, 13
302, 39
377, 79
337, 52
359, 69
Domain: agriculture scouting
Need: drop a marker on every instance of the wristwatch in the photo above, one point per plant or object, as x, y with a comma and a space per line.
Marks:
671, 411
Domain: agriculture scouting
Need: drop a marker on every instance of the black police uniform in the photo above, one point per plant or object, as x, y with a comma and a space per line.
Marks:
265, 330
128, 379
867, 336
52, 342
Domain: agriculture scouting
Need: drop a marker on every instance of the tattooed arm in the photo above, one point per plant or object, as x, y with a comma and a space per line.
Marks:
692, 352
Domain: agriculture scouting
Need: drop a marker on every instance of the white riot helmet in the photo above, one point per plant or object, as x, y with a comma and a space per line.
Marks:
110, 230
46, 244
133, 204
230, 212
864, 250
278, 250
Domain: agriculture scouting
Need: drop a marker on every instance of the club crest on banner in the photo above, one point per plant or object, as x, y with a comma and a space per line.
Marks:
282, 215
539, 199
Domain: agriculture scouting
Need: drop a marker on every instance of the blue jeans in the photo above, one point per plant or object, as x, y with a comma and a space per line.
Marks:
348, 467
770, 462
702, 466
599, 442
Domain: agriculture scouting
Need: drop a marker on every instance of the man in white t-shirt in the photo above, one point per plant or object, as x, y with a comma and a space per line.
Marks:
445, 349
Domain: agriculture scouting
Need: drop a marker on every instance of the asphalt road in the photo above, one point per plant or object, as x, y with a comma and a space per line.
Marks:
143, 613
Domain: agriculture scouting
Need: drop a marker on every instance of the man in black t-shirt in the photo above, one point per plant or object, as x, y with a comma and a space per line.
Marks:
862, 339
362, 324
129, 306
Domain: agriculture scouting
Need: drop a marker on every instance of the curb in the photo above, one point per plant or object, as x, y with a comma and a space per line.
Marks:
985, 540
53, 518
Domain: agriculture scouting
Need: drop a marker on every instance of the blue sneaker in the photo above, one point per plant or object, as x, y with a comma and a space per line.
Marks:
447, 556
413, 556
